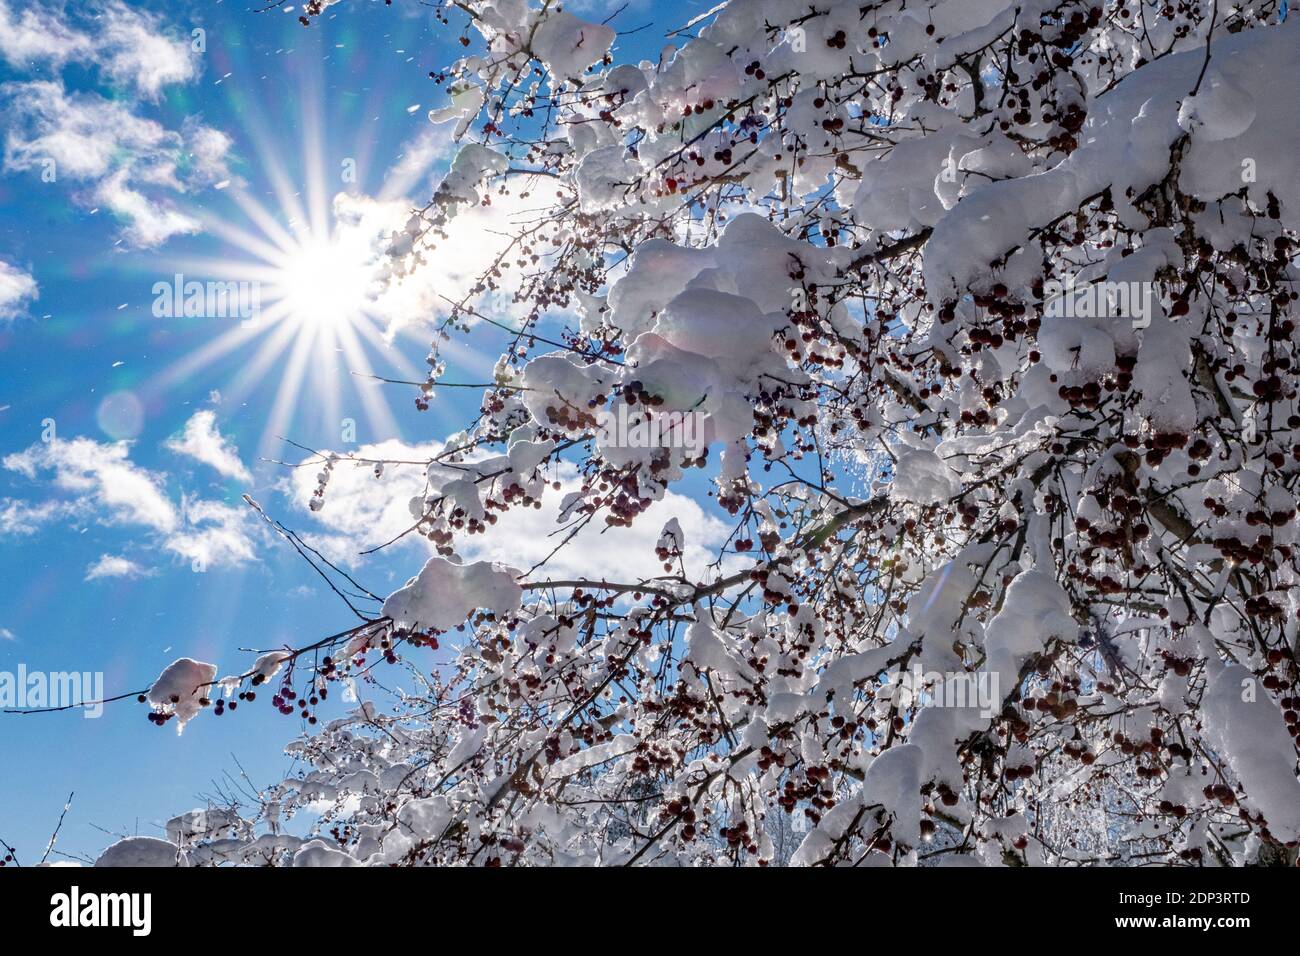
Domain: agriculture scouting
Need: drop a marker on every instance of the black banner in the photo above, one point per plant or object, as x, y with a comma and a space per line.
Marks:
189, 905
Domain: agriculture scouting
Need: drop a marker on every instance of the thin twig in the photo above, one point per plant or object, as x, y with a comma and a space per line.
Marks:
57, 827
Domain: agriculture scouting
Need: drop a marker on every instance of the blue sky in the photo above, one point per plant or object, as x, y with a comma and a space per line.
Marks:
127, 439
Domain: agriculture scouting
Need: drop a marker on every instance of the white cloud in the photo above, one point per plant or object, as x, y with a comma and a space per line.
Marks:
84, 137
128, 493
131, 48
92, 139
362, 511
83, 133
216, 535
148, 223
207, 150
21, 517
7, 635
202, 441
418, 157
136, 51
476, 239
524, 536
16, 289
35, 34
115, 566
206, 533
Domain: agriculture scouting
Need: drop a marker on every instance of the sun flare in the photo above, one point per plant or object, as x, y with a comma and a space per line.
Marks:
325, 328
320, 321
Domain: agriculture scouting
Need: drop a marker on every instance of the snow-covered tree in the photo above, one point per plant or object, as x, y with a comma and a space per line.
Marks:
986, 309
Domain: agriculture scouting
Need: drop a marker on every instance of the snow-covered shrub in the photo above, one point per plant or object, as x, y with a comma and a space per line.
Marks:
839, 232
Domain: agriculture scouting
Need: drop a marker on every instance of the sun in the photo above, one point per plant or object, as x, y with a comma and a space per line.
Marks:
319, 324
326, 282
327, 333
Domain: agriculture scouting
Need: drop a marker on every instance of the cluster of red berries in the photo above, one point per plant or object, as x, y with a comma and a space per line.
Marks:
1261, 606
738, 837
569, 418
947, 796
284, 702
1236, 550
652, 758
683, 811
1221, 792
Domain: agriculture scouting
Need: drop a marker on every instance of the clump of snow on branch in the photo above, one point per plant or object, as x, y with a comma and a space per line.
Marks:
180, 689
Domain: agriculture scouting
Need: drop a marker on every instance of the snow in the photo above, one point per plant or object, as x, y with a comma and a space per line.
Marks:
444, 594
922, 477
141, 851
705, 650
426, 817
202, 824
568, 45
1126, 143
894, 780
603, 176
594, 756
1247, 729
180, 688
472, 165
1036, 610
1166, 394
269, 664
318, 853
